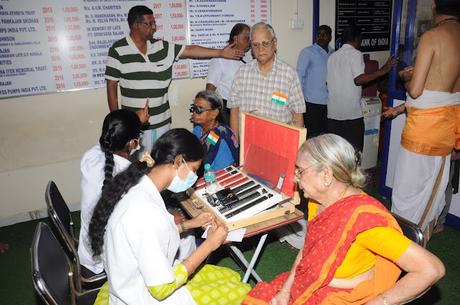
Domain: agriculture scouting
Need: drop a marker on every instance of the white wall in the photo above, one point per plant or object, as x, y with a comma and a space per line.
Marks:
43, 137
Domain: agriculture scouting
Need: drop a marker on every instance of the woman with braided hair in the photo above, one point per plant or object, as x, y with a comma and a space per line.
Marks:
137, 239
119, 138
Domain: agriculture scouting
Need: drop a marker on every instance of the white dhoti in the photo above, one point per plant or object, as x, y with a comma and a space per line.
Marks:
419, 187
420, 180
150, 136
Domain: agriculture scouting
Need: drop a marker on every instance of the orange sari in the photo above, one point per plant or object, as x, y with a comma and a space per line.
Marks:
330, 235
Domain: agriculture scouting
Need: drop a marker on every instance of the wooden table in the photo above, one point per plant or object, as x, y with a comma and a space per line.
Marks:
263, 228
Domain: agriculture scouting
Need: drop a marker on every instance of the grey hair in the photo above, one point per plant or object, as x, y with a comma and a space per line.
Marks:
214, 100
263, 25
337, 153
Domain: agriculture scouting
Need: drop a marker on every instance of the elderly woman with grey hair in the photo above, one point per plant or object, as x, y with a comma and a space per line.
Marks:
354, 249
218, 140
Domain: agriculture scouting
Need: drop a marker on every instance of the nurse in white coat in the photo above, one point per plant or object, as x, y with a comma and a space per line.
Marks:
119, 139
137, 239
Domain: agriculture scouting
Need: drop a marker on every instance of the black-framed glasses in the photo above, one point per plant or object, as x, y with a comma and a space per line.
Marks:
197, 109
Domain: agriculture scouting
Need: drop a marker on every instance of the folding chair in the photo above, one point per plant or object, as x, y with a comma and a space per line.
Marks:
411, 230
61, 220
52, 271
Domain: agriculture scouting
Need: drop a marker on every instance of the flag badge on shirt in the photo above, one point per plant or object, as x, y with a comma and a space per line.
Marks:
279, 98
212, 138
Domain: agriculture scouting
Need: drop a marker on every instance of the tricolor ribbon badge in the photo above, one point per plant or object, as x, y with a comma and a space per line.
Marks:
279, 98
212, 137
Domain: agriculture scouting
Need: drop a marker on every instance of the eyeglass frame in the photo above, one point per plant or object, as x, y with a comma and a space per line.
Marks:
149, 24
186, 165
299, 171
197, 109
263, 45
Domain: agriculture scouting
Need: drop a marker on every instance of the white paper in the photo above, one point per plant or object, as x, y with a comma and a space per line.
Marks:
235, 235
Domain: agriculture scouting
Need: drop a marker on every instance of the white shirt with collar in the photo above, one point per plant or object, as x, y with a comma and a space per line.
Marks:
92, 177
140, 244
221, 73
344, 96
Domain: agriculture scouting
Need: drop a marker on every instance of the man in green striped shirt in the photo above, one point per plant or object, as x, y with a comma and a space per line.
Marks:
142, 67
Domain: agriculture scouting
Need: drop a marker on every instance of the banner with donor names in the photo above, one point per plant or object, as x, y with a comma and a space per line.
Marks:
61, 45
212, 20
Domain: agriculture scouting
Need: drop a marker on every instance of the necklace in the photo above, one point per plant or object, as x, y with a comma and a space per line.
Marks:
446, 20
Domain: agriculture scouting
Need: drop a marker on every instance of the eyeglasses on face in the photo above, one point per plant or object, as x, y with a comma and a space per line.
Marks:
197, 109
263, 44
148, 24
188, 167
298, 171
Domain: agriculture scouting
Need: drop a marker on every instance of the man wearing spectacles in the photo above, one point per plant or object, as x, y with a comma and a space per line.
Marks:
267, 85
142, 67
270, 88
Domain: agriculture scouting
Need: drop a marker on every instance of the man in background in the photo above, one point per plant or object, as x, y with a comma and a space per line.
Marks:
270, 88
312, 71
267, 85
345, 76
221, 71
142, 66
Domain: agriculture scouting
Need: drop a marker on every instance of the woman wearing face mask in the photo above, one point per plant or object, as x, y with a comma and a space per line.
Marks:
119, 138
215, 135
137, 239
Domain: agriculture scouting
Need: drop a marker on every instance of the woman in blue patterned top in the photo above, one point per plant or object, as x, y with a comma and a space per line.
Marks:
210, 127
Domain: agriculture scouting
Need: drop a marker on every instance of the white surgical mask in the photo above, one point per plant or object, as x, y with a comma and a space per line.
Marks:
132, 152
178, 185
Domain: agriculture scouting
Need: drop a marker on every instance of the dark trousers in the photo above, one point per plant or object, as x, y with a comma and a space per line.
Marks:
315, 119
350, 130
226, 112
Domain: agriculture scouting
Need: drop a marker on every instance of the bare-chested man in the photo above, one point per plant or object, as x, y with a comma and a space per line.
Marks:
432, 128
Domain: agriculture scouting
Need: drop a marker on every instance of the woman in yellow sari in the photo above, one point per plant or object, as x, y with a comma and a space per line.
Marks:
354, 249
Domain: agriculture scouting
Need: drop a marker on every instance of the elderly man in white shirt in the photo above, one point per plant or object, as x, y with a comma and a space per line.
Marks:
267, 86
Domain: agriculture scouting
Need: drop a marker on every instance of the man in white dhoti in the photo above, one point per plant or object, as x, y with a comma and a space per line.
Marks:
431, 131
